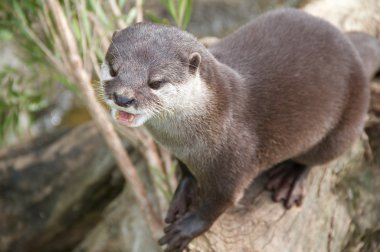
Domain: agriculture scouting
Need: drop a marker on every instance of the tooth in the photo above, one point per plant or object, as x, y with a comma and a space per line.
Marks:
131, 117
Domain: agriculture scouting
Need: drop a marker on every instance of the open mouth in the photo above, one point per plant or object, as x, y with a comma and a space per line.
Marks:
127, 119
123, 116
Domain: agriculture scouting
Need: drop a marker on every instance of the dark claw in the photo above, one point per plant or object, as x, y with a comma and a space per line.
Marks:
180, 233
168, 228
286, 182
163, 240
184, 246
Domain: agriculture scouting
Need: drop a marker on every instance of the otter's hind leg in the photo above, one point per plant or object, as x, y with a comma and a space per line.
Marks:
286, 180
348, 128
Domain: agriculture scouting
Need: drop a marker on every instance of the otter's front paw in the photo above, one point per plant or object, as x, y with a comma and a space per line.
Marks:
180, 233
184, 196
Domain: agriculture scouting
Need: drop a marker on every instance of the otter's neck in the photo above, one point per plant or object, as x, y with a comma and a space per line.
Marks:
206, 121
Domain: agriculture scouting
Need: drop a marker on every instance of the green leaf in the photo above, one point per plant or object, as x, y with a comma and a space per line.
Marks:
99, 54
131, 16
76, 29
188, 12
152, 17
170, 7
100, 12
85, 22
181, 11
5, 35
10, 120
121, 3
68, 84
18, 11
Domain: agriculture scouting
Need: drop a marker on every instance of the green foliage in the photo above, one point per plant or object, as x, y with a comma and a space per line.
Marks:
25, 87
18, 96
179, 10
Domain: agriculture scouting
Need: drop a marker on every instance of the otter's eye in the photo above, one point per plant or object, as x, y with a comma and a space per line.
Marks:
112, 72
156, 84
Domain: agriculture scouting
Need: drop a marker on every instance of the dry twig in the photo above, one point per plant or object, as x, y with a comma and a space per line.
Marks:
140, 13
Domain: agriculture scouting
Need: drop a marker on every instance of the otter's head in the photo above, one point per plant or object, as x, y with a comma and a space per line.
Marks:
151, 72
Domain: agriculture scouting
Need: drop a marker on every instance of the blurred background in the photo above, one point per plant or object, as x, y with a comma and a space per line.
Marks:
60, 189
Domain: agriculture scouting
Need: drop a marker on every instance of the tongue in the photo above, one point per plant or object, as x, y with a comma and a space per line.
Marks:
125, 117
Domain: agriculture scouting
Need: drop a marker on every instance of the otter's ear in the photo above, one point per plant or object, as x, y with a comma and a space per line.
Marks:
194, 62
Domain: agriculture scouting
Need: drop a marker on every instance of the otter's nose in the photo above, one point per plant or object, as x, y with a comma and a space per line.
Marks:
122, 100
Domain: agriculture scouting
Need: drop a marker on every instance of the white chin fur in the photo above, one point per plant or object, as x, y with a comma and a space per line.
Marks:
189, 97
105, 72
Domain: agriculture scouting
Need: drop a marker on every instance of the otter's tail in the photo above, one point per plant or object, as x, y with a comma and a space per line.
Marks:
368, 48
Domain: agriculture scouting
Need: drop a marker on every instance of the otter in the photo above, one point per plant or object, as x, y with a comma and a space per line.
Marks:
287, 90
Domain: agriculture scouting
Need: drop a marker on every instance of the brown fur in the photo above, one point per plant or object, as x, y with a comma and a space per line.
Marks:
285, 86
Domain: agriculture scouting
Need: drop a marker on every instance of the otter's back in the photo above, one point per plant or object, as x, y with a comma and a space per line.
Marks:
283, 40
298, 71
